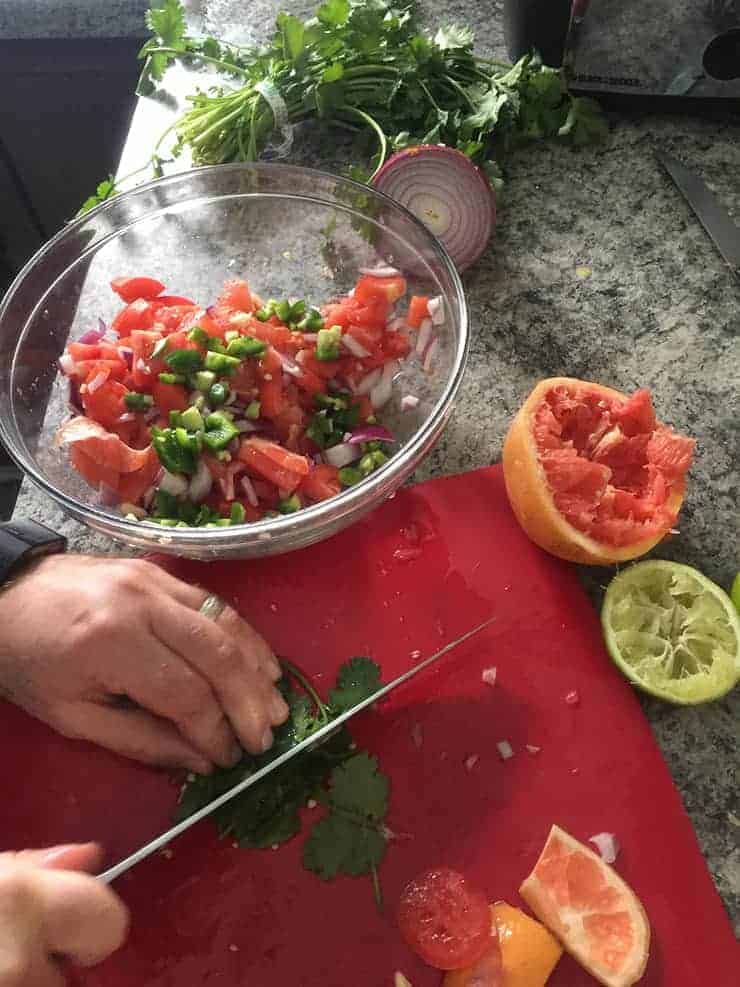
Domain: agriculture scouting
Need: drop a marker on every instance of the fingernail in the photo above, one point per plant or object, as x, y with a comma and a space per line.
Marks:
55, 853
235, 755
267, 739
279, 708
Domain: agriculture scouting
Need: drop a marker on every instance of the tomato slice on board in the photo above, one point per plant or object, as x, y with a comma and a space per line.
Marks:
445, 920
129, 289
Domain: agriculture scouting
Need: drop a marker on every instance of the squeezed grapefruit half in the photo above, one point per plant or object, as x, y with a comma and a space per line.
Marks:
595, 915
591, 475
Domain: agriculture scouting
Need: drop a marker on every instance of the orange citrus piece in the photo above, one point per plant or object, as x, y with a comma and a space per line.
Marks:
592, 476
591, 910
525, 954
529, 952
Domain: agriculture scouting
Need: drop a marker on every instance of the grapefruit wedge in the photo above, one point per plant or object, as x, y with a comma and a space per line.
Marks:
591, 475
590, 909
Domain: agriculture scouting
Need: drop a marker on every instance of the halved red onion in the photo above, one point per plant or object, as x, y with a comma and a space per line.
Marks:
97, 382
369, 381
409, 402
200, 483
425, 336
249, 492
355, 348
445, 190
381, 393
342, 454
370, 433
380, 272
67, 365
436, 308
607, 845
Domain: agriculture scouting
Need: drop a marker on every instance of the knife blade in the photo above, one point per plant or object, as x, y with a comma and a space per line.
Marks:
709, 210
313, 740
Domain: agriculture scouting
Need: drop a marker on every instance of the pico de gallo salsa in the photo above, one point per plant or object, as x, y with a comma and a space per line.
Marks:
188, 416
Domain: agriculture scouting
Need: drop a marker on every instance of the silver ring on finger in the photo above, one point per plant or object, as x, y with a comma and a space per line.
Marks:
212, 607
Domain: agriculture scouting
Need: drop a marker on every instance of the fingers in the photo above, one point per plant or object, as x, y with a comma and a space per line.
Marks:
236, 662
83, 919
73, 856
164, 684
133, 733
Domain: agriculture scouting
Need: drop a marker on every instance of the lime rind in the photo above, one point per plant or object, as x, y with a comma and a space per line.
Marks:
672, 632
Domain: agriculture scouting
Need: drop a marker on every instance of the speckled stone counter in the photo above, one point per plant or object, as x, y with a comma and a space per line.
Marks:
36, 19
600, 271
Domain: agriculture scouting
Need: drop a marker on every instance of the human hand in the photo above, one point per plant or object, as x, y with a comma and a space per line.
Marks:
80, 634
48, 911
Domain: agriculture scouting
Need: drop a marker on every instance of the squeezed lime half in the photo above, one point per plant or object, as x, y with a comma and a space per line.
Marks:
672, 631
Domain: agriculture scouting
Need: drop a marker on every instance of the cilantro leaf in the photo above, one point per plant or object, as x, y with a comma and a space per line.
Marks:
291, 31
584, 123
337, 845
167, 24
105, 190
358, 788
334, 13
357, 679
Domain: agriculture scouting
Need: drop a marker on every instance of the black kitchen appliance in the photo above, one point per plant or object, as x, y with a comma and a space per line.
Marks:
665, 51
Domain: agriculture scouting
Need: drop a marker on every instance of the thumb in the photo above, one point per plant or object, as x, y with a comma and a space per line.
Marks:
70, 856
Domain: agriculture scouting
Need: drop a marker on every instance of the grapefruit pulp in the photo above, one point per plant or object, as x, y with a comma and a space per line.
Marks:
591, 475
590, 909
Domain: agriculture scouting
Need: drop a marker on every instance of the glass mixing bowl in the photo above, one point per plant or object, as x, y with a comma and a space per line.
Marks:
291, 232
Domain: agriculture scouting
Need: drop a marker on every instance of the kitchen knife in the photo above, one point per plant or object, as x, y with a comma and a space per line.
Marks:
711, 213
316, 738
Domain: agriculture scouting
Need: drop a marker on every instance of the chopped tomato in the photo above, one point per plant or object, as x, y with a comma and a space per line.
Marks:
445, 920
351, 312
175, 301
321, 483
418, 311
271, 388
105, 403
96, 474
396, 346
370, 288
138, 315
274, 333
236, 294
171, 317
270, 461
169, 397
129, 289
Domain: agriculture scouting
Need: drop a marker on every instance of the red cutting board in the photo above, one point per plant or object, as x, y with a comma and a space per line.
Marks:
433, 562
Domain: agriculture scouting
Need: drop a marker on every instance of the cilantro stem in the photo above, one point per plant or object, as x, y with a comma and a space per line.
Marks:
383, 141
377, 891
297, 674
198, 56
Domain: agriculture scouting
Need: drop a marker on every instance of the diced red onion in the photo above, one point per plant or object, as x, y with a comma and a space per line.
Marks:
289, 365
97, 382
173, 483
470, 762
436, 307
370, 433
128, 355
310, 337
396, 323
425, 336
151, 414
409, 402
355, 348
444, 189
93, 336
140, 365
430, 355
380, 272
249, 492
127, 416
407, 554
489, 675
607, 845
342, 454
572, 698
369, 381
245, 426
532, 749
381, 394
233, 446
67, 365
200, 483
75, 401
505, 750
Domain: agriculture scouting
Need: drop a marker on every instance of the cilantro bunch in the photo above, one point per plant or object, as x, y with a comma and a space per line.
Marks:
363, 65
350, 838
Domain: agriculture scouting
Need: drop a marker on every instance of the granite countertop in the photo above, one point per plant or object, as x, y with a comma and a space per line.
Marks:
62, 19
598, 270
